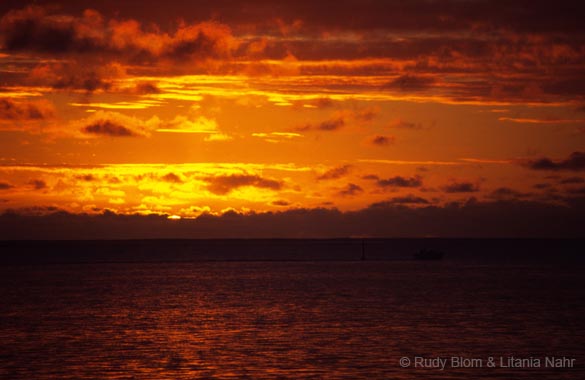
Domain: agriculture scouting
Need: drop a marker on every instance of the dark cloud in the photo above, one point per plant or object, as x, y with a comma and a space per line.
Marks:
410, 83
327, 125
364, 115
115, 124
432, 46
341, 118
330, 125
5, 186
382, 140
403, 124
576, 190
25, 110
38, 29
31, 29
575, 162
335, 173
89, 82
108, 128
76, 74
280, 202
399, 181
86, 177
506, 193
145, 88
541, 186
324, 103
408, 199
413, 15
571, 86
411, 48
461, 187
172, 178
203, 41
371, 177
350, 190
572, 180
223, 184
36, 211
38, 184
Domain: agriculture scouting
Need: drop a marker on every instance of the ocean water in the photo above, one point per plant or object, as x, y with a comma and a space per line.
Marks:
291, 309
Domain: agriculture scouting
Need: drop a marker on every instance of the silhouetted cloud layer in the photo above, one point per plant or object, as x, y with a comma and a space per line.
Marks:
386, 219
408, 199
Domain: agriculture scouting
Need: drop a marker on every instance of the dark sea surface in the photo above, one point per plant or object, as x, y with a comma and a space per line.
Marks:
298, 309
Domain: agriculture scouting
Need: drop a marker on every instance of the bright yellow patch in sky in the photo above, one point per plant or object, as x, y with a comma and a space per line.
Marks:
206, 117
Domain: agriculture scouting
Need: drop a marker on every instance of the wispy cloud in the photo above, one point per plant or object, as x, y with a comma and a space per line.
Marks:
408, 162
335, 173
541, 121
326, 125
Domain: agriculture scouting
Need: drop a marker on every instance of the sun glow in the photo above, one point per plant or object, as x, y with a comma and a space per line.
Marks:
141, 114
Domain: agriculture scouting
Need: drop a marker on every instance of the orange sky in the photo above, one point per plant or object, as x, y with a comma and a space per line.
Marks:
187, 110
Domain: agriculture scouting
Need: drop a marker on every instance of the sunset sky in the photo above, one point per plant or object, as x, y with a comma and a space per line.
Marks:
346, 118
